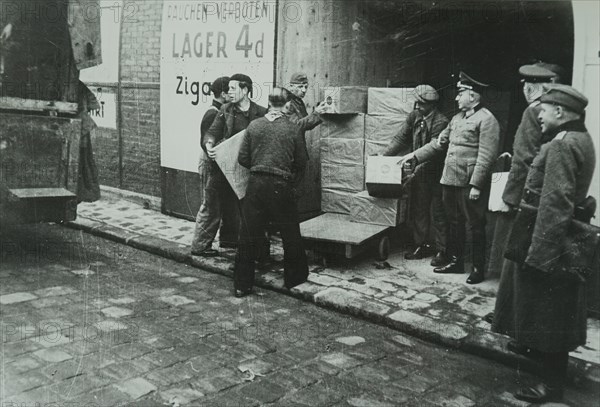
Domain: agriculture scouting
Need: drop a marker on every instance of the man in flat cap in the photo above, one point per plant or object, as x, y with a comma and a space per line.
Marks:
427, 217
472, 142
527, 142
220, 202
549, 307
219, 89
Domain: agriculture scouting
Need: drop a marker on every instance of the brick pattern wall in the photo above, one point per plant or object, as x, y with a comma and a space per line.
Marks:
141, 140
140, 109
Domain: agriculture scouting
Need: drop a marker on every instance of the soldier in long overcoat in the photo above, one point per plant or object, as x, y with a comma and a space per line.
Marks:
527, 143
549, 308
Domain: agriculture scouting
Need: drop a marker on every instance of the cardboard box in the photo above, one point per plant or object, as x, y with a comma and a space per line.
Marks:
336, 201
227, 160
351, 126
342, 151
383, 128
395, 101
345, 99
343, 177
384, 177
375, 211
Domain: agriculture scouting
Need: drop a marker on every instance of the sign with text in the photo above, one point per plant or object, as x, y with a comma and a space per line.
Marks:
201, 41
106, 115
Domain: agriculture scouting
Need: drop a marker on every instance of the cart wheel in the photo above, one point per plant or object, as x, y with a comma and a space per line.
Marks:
383, 249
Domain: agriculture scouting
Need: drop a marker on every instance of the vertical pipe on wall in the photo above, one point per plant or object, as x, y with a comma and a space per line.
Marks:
120, 100
275, 39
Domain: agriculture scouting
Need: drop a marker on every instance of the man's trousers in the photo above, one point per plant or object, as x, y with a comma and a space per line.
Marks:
461, 213
426, 212
220, 207
269, 198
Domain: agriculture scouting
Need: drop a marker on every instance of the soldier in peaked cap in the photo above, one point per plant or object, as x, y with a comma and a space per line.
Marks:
427, 215
549, 306
527, 142
296, 109
472, 143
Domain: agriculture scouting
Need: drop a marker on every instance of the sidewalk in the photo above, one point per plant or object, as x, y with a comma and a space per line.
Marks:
406, 296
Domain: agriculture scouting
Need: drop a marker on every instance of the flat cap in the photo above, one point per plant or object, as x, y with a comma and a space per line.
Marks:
541, 72
564, 95
240, 77
220, 85
426, 94
467, 82
299, 77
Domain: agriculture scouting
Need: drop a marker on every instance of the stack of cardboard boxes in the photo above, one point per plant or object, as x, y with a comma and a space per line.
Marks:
361, 123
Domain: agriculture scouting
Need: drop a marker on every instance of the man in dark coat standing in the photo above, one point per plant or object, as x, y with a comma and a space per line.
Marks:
426, 211
220, 202
296, 109
219, 89
527, 143
274, 151
549, 307
472, 142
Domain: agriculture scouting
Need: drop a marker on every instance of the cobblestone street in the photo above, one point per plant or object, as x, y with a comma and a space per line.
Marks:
95, 323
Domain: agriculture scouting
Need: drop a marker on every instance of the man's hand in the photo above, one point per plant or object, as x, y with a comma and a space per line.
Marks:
474, 194
211, 151
506, 208
6, 32
406, 158
321, 108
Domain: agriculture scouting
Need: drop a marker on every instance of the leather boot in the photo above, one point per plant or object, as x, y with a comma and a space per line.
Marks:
453, 267
476, 276
420, 252
542, 393
439, 260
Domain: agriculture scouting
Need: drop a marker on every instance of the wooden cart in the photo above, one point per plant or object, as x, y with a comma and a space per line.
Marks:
333, 234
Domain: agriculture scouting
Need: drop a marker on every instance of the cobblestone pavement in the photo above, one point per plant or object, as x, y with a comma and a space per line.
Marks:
88, 322
402, 294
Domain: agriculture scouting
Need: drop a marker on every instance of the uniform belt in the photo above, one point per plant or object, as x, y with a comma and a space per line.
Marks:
531, 198
272, 175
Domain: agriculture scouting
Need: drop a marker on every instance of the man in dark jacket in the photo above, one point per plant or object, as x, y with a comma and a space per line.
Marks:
527, 143
273, 149
296, 109
219, 89
549, 307
472, 142
220, 202
427, 215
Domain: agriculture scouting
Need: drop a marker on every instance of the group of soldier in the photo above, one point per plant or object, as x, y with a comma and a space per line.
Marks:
452, 162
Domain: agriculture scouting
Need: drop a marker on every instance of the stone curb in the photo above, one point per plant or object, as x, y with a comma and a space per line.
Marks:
471, 340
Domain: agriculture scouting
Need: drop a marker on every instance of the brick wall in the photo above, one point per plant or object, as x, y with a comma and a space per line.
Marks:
140, 108
140, 105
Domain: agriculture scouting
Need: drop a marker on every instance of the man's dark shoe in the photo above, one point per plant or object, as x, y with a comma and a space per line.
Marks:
453, 267
516, 347
440, 259
228, 245
206, 253
242, 293
539, 394
420, 253
489, 318
476, 276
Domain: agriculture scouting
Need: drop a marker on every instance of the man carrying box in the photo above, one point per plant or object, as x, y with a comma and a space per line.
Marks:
274, 151
426, 211
472, 142
220, 201
296, 109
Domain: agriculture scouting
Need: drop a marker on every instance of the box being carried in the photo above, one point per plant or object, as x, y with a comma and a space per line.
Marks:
384, 177
227, 159
345, 99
